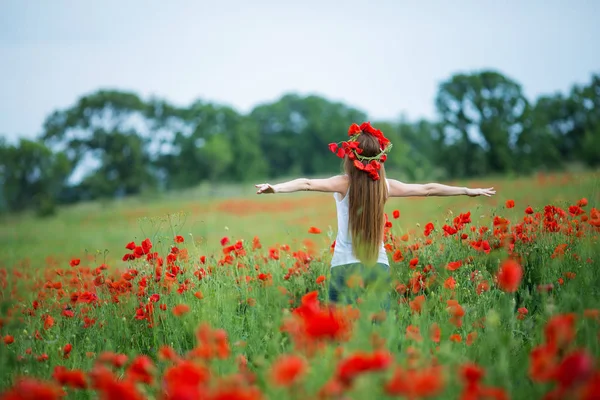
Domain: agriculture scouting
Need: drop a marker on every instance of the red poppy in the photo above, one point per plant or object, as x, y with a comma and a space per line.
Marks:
48, 322
354, 129
542, 363
320, 279
166, 353
180, 309
114, 359
179, 239
8, 339
510, 275
71, 378
67, 350
138, 252
416, 383
522, 313
288, 369
417, 303
529, 210
575, 367
74, 262
449, 230
454, 265
456, 313
450, 283
359, 165
146, 246
456, 338
155, 298
314, 230
560, 330
481, 245
412, 333
396, 214
31, 388
360, 363
397, 256
109, 386
435, 332
471, 338
428, 229
510, 203
141, 369
185, 380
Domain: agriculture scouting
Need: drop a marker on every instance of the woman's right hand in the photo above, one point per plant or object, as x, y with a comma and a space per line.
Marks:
265, 188
489, 192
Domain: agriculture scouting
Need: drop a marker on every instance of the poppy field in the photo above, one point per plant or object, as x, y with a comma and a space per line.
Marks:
198, 297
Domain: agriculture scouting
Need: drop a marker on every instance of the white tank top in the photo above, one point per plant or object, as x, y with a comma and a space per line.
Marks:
342, 252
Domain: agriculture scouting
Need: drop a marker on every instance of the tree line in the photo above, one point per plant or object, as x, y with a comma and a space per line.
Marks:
114, 143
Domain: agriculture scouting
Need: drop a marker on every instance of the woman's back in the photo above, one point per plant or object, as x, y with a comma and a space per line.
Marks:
343, 251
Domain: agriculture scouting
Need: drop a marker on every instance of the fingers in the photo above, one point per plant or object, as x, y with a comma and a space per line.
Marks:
261, 187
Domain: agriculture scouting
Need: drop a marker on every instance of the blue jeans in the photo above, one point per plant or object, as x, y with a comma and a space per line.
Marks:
375, 280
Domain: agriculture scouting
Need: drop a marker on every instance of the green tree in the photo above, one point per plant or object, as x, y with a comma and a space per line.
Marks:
123, 166
586, 125
539, 146
568, 126
424, 152
31, 176
103, 137
218, 154
295, 133
483, 116
187, 160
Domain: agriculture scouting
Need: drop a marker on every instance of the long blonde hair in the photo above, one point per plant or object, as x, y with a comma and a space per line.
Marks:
367, 200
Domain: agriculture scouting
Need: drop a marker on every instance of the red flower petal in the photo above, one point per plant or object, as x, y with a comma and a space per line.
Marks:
359, 165
354, 129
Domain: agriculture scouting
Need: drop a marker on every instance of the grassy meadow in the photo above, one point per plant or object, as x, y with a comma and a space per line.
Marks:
206, 214
233, 303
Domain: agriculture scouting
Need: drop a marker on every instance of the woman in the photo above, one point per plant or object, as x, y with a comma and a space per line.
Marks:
360, 195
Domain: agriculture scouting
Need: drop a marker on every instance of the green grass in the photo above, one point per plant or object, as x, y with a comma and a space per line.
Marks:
252, 311
206, 215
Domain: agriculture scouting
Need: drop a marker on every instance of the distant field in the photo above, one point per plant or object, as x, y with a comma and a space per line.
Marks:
207, 214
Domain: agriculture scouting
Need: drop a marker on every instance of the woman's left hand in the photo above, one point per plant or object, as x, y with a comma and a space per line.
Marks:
265, 188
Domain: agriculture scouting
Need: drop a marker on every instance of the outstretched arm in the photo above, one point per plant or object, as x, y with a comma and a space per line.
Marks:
334, 184
399, 189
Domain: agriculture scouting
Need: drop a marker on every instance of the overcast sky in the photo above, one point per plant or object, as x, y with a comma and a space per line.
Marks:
384, 57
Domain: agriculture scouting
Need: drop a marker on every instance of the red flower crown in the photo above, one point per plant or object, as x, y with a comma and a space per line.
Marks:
350, 148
